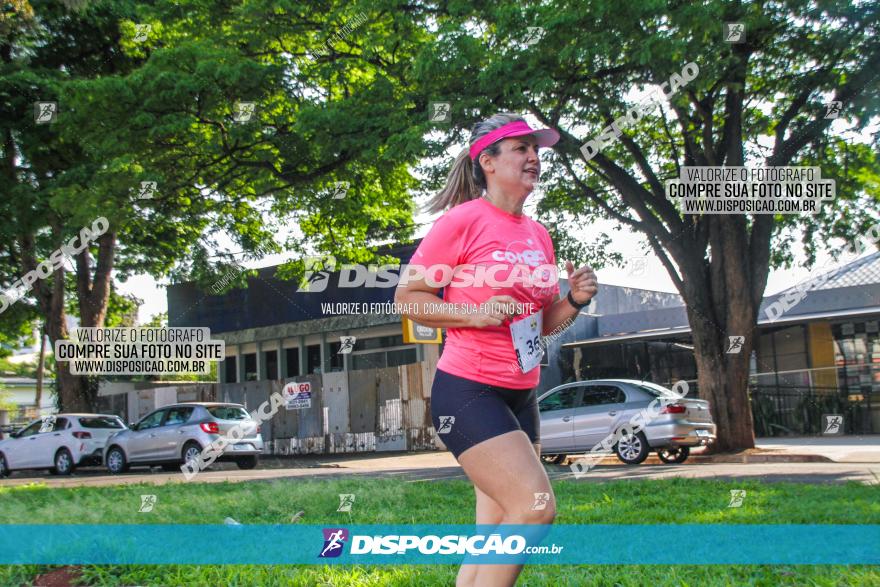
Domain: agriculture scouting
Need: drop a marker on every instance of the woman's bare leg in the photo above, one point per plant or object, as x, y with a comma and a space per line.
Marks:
488, 512
507, 470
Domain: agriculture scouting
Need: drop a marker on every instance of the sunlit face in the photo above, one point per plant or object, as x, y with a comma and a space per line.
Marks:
516, 168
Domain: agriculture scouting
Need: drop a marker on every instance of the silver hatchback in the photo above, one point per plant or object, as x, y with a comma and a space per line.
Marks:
175, 434
577, 416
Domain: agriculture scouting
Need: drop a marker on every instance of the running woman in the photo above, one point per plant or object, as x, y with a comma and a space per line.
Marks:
483, 400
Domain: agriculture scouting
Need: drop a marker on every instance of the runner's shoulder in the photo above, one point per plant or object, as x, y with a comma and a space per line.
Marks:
464, 211
541, 228
458, 218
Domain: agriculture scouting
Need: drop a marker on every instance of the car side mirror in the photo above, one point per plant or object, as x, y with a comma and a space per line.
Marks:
132, 426
13, 435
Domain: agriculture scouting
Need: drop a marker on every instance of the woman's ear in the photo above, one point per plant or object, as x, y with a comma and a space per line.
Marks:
487, 162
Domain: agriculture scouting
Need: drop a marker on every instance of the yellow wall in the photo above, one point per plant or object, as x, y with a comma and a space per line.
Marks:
822, 354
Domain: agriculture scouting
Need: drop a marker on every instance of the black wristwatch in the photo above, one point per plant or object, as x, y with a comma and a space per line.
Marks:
574, 303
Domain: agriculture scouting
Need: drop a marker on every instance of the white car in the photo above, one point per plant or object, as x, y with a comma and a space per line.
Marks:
59, 443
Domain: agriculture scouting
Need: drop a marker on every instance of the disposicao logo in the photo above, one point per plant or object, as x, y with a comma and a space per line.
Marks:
334, 541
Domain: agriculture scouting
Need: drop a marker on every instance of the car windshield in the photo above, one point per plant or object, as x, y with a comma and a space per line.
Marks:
31, 429
655, 389
101, 422
228, 412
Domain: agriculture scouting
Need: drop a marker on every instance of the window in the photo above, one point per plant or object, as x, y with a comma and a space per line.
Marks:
600, 395
271, 359
292, 362
101, 422
401, 357
228, 412
229, 364
336, 359
857, 357
152, 421
178, 415
250, 367
313, 359
32, 429
368, 361
561, 400
380, 342
659, 390
51, 424
394, 358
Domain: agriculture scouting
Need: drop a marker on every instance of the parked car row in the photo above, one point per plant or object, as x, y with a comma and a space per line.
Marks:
58, 443
169, 436
575, 417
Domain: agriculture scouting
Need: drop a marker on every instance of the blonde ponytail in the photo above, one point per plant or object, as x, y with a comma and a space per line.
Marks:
460, 185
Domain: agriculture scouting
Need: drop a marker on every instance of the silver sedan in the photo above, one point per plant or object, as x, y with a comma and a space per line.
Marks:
578, 416
176, 434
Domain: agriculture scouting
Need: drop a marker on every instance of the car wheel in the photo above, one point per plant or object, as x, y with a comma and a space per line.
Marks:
191, 452
116, 462
63, 462
632, 449
247, 462
674, 455
4, 466
554, 459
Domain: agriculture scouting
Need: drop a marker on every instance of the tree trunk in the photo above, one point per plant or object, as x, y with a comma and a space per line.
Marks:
75, 392
723, 379
41, 364
72, 389
75, 396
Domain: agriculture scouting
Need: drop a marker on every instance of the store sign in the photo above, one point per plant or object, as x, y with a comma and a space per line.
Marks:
416, 333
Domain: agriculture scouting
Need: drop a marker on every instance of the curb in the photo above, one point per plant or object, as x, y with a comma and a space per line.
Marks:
729, 458
769, 458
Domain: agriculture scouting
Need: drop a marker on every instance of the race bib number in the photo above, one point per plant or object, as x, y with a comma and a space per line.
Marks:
526, 335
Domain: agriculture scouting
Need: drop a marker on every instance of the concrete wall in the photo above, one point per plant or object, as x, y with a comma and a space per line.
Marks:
353, 411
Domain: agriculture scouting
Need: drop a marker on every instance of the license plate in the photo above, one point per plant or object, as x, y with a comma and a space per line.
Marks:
702, 433
242, 447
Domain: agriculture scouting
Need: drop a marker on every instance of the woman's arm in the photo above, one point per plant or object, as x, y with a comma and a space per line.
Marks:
557, 313
583, 287
418, 297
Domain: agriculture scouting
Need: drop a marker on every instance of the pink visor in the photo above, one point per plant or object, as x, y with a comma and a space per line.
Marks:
547, 137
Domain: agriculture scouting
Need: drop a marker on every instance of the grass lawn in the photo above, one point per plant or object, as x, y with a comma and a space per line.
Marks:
383, 501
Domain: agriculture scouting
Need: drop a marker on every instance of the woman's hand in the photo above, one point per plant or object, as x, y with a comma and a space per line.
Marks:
582, 283
494, 311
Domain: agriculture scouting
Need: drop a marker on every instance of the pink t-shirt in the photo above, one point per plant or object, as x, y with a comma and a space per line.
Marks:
494, 247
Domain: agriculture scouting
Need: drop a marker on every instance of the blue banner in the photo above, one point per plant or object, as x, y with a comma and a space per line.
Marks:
440, 544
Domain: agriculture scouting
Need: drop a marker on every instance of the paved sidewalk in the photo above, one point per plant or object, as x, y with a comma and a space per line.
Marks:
840, 449
808, 460
421, 467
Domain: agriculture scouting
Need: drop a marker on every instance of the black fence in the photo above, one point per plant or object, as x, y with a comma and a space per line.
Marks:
793, 410
800, 410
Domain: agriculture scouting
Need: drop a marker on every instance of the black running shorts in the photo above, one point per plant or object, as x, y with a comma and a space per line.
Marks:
467, 412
